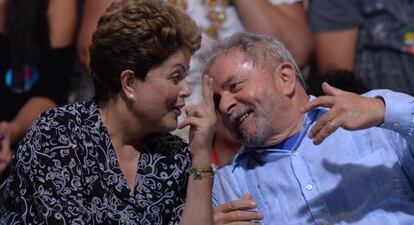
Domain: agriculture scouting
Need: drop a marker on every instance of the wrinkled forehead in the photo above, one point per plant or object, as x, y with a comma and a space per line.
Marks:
229, 66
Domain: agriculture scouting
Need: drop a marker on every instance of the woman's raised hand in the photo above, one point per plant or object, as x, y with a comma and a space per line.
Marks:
202, 120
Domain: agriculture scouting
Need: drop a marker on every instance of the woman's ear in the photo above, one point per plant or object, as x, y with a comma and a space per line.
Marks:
128, 80
287, 76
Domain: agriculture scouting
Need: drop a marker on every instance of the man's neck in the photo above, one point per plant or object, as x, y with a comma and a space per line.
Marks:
288, 132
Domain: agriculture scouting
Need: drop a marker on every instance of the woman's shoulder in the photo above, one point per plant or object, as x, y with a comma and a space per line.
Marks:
77, 112
68, 119
59, 128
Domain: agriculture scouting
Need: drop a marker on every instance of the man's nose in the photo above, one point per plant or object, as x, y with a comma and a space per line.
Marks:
227, 103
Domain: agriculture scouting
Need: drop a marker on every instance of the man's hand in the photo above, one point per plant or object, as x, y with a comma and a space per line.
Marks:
347, 110
238, 212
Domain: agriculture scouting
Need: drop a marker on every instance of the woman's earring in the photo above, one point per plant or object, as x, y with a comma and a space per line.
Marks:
131, 96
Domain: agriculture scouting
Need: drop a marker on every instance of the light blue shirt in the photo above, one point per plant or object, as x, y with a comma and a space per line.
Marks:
353, 177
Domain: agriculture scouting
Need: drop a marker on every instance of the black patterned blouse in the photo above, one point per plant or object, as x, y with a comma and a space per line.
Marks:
66, 172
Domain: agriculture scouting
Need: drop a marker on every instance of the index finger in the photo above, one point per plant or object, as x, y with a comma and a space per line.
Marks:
208, 91
236, 205
323, 101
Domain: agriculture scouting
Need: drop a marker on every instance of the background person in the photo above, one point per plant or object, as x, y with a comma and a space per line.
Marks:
36, 60
372, 38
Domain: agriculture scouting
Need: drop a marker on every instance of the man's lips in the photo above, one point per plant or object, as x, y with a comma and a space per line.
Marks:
242, 118
238, 118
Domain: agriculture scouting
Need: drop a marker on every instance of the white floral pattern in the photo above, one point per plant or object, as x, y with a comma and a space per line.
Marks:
66, 172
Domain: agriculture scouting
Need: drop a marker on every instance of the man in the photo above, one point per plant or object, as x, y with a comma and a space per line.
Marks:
338, 159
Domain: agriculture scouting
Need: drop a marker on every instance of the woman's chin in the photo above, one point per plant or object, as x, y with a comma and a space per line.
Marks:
171, 125
168, 123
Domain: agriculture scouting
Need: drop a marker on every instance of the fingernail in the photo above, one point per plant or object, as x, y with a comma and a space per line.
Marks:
253, 204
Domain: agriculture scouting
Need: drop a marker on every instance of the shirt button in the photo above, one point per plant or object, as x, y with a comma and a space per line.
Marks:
295, 153
396, 126
309, 187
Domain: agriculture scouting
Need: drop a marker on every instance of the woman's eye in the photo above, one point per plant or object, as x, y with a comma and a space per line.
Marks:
176, 78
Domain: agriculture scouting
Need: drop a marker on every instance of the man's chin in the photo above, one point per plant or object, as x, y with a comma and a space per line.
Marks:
249, 139
244, 138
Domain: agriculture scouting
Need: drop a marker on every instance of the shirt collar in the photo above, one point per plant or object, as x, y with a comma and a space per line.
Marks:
310, 117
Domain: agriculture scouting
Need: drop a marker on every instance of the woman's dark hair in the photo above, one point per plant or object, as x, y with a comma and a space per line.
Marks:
28, 31
137, 35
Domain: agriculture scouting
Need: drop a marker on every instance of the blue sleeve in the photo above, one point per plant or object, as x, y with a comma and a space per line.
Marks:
333, 15
399, 112
399, 117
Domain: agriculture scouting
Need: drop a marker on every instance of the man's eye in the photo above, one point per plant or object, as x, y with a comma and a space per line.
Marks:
234, 86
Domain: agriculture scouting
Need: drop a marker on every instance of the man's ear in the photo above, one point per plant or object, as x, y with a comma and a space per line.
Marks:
128, 80
287, 78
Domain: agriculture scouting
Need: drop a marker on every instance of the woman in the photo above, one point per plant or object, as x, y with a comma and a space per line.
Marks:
36, 59
112, 160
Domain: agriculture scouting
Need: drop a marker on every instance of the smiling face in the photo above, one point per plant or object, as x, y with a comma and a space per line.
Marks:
252, 99
159, 98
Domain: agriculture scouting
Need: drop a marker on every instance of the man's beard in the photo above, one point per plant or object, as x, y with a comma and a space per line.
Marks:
243, 137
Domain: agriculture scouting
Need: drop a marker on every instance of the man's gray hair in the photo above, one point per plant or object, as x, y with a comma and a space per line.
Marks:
262, 50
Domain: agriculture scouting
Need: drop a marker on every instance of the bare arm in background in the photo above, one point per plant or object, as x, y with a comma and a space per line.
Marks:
330, 55
287, 22
2, 15
93, 9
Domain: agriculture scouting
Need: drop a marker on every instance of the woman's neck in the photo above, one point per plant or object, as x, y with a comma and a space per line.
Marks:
125, 137
123, 128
